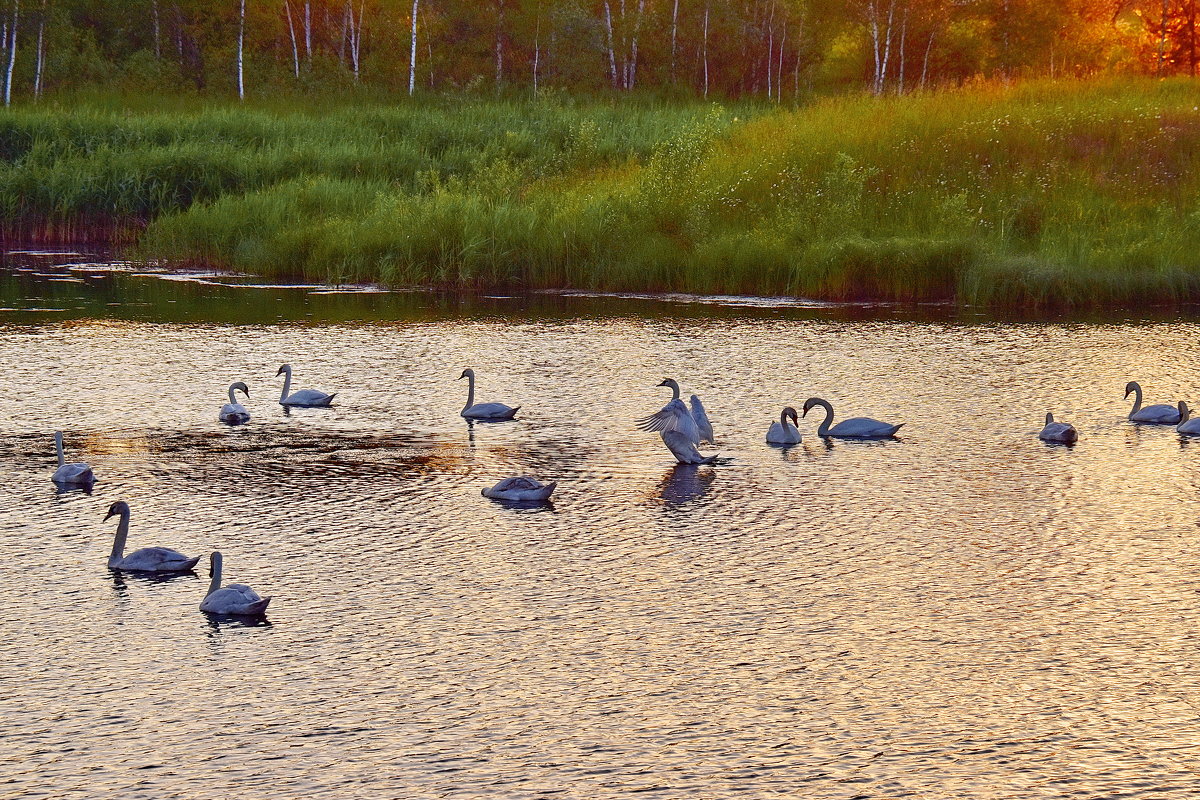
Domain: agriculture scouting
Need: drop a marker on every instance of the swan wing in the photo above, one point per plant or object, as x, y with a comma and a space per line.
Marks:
700, 417
490, 411
234, 412
236, 598
1059, 432
674, 416
1161, 414
864, 427
157, 559
780, 434
73, 473
309, 397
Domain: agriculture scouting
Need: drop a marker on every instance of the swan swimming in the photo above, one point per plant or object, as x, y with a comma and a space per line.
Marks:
853, 428
473, 410
675, 416
1058, 431
234, 412
148, 559
78, 473
305, 398
521, 488
1186, 423
1160, 414
234, 598
783, 433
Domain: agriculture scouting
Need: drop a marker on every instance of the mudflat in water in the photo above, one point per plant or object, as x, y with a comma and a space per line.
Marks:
965, 612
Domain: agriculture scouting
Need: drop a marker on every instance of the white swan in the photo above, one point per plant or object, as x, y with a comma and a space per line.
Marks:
782, 432
234, 412
473, 410
674, 416
148, 559
521, 488
1160, 414
703, 426
853, 428
1186, 423
234, 598
78, 473
1058, 431
306, 398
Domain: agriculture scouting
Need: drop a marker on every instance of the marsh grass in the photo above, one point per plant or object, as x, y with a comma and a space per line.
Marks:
1034, 195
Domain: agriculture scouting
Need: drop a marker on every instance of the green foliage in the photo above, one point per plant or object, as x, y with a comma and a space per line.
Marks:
1038, 195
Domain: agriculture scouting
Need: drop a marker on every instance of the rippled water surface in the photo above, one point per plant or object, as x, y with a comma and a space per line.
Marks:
964, 612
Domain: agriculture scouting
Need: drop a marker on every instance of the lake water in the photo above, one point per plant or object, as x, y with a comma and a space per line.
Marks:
964, 612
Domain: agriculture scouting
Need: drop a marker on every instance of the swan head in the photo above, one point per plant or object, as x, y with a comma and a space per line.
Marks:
670, 382
119, 508
791, 412
467, 373
810, 403
214, 563
285, 368
1131, 387
241, 387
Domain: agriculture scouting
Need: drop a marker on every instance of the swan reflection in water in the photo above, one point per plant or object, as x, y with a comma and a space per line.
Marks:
685, 483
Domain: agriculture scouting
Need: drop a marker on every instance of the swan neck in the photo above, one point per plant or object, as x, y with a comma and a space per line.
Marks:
118, 550
58, 447
232, 401
470, 391
783, 420
287, 385
674, 390
823, 430
1137, 399
1185, 413
215, 583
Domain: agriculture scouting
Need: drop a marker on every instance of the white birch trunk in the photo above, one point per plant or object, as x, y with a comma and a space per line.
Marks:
41, 54
706, 51
308, 30
612, 56
779, 69
240, 47
674, 32
157, 29
537, 52
412, 55
903, 37
633, 49
12, 53
925, 61
887, 48
287, 9
875, 44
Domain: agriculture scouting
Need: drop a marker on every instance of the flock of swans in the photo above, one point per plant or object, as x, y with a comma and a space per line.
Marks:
682, 429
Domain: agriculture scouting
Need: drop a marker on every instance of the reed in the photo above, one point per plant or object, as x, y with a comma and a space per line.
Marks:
1043, 194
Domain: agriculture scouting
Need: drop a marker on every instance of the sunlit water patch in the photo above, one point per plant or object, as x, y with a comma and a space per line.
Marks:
963, 612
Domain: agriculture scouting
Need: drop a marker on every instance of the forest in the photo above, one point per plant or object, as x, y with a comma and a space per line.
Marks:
778, 50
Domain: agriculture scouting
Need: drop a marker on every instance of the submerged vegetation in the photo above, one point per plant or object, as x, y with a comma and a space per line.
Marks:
1039, 194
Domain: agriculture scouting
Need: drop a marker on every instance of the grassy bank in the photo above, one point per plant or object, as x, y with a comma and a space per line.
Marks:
1044, 194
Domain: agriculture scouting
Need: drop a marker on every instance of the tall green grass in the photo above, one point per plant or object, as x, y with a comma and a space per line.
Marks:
1035, 195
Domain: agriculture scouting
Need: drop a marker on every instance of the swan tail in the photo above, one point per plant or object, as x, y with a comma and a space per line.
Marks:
258, 607
512, 413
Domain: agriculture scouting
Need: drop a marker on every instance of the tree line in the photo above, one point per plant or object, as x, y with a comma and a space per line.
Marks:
773, 49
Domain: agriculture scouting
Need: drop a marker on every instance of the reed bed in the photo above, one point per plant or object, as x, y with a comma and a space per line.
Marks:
1045, 194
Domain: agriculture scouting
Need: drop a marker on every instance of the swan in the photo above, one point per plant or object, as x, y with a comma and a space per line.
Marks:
1161, 414
148, 559
1186, 423
702, 424
77, 473
783, 433
520, 488
307, 398
234, 412
674, 416
473, 410
234, 598
853, 428
1058, 431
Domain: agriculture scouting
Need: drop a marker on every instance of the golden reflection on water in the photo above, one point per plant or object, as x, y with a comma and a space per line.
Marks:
965, 612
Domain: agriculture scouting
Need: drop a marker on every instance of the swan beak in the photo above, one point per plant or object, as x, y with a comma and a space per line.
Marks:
805, 414
110, 513
664, 383
277, 374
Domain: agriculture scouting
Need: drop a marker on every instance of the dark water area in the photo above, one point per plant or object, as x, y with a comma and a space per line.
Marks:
962, 612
